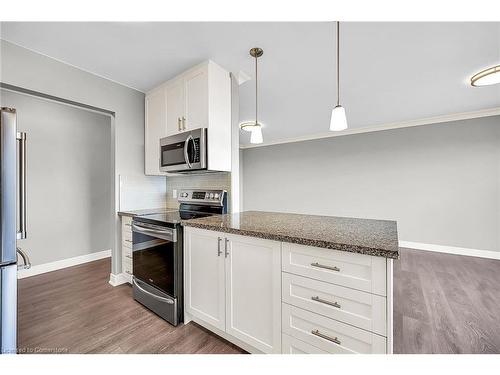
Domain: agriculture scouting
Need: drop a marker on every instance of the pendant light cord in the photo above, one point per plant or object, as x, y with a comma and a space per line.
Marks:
256, 123
338, 63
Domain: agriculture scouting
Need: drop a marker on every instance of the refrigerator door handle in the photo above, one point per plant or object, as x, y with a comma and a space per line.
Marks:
21, 234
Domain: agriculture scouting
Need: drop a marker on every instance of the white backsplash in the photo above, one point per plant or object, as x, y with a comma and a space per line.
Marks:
142, 192
220, 180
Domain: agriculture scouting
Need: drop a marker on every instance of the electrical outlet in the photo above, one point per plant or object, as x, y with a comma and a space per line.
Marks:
174, 193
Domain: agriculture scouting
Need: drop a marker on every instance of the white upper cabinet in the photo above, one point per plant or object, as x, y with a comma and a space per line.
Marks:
155, 128
197, 98
175, 106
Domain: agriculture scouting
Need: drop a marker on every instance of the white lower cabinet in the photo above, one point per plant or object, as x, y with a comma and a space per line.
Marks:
329, 335
253, 292
205, 276
276, 297
233, 283
291, 345
127, 264
360, 309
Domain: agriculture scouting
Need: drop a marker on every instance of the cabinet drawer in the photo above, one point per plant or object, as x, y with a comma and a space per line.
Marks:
126, 224
328, 334
360, 309
127, 239
291, 345
357, 271
127, 265
127, 253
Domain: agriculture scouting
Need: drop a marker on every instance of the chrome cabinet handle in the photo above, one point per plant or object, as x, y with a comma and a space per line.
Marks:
128, 240
26, 259
183, 123
321, 300
226, 250
179, 124
128, 256
316, 264
159, 298
21, 137
315, 332
219, 251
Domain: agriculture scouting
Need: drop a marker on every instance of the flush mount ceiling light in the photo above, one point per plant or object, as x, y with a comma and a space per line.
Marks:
338, 120
486, 77
254, 126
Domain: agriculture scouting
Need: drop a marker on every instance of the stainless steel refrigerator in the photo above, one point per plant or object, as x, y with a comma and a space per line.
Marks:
12, 223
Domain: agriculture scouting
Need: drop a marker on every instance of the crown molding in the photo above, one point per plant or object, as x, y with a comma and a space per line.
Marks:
389, 126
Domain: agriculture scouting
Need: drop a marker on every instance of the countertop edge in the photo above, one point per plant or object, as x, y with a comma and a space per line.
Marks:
299, 240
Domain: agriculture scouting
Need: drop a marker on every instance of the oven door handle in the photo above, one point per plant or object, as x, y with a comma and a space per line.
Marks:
186, 155
167, 234
159, 298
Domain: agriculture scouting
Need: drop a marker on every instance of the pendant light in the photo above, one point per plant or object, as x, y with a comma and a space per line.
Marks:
486, 77
254, 126
338, 120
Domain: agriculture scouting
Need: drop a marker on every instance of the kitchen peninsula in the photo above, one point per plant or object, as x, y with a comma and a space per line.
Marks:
289, 283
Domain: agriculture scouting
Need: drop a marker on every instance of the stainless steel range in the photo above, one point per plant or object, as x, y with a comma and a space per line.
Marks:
158, 247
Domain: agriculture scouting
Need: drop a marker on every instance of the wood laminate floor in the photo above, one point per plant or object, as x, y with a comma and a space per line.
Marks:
76, 310
446, 303
442, 304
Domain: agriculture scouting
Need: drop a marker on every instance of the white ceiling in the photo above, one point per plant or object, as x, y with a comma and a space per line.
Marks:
390, 72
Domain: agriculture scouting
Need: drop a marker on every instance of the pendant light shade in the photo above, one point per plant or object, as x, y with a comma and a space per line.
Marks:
254, 126
256, 136
338, 120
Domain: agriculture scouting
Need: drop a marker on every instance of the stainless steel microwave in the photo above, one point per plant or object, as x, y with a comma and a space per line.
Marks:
184, 152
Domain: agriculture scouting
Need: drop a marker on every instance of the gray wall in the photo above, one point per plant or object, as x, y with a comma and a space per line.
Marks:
69, 180
440, 182
27, 69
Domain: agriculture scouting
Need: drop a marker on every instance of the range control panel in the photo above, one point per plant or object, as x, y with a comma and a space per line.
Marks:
201, 196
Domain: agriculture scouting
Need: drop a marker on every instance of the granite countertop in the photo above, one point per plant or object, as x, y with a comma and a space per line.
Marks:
147, 211
364, 236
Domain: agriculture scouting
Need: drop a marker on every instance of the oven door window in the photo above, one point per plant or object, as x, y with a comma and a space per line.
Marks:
153, 261
172, 154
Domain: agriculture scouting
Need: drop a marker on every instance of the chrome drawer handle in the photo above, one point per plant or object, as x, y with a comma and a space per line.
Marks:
128, 256
219, 251
315, 332
321, 300
316, 264
128, 240
128, 225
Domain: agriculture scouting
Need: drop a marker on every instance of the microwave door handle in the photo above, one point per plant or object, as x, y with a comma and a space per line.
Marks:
186, 156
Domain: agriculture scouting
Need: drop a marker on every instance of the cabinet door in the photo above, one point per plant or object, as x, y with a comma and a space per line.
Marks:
196, 99
155, 127
175, 106
204, 276
253, 292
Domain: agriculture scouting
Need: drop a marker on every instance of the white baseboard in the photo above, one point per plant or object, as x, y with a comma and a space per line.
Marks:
59, 264
119, 279
451, 250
